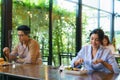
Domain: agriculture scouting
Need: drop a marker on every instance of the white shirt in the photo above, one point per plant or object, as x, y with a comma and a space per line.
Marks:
103, 53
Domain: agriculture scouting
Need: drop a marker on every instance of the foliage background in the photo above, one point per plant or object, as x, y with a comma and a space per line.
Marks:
35, 14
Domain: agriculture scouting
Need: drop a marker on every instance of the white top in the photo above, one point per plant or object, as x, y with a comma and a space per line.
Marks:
103, 53
111, 47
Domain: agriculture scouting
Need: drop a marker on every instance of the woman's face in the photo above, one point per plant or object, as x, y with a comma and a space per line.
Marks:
105, 42
94, 40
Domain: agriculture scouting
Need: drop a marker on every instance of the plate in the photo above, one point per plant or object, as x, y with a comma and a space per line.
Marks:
80, 72
71, 70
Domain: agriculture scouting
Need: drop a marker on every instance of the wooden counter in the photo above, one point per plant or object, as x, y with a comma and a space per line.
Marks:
43, 72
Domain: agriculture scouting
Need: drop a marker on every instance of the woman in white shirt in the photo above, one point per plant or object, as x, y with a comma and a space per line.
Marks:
94, 57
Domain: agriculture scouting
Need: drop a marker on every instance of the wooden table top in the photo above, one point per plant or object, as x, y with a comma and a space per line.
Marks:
44, 72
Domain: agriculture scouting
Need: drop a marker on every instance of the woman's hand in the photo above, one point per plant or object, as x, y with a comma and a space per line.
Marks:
79, 61
107, 65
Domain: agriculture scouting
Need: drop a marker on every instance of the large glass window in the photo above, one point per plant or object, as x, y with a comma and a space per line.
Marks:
63, 30
117, 23
95, 14
89, 22
35, 15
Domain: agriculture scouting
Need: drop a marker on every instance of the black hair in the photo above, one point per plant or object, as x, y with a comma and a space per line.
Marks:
24, 28
100, 33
